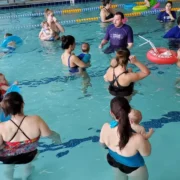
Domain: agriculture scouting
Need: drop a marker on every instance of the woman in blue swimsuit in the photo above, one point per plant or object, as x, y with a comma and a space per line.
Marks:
69, 59
125, 148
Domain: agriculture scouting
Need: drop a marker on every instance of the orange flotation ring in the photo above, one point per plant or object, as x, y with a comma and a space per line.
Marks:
164, 56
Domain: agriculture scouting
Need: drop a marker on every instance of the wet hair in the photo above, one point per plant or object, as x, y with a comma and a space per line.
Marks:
105, 2
120, 108
12, 103
88, 47
122, 57
67, 41
169, 2
120, 14
178, 20
8, 34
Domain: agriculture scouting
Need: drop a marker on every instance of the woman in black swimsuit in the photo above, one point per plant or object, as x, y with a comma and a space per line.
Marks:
107, 13
122, 80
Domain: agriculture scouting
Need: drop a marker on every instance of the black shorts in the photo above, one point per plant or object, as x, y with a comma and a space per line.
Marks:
121, 167
19, 159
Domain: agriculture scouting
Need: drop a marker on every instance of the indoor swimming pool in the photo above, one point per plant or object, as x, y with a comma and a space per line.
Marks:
79, 114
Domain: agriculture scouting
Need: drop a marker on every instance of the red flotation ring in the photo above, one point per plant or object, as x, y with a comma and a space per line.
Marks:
160, 58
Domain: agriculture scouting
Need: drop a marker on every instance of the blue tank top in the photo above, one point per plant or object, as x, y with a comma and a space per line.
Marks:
131, 161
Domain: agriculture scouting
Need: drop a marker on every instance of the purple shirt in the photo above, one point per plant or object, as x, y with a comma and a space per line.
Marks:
119, 36
164, 16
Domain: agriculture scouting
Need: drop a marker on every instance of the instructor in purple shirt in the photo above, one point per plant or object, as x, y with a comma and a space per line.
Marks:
120, 35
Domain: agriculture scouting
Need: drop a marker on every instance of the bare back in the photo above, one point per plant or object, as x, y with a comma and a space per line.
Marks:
30, 126
123, 78
65, 56
110, 137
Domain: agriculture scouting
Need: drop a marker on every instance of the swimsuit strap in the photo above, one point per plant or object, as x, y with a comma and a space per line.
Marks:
19, 129
69, 61
115, 78
107, 10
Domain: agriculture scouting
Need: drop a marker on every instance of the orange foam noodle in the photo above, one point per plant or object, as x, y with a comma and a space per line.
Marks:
140, 3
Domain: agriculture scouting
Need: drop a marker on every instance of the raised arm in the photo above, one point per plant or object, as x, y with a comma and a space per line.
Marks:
144, 71
58, 25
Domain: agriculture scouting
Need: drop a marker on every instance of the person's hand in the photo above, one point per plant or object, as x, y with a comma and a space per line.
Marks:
56, 138
15, 83
100, 46
151, 131
54, 19
168, 12
133, 59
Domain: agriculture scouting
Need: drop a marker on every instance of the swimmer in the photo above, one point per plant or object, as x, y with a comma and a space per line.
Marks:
46, 33
125, 148
11, 46
53, 23
121, 80
174, 32
167, 15
107, 13
135, 118
20, 136
85, 56
147, 3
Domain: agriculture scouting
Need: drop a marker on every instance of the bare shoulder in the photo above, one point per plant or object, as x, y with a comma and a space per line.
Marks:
34, 117
105, 127
102, 10
138, 138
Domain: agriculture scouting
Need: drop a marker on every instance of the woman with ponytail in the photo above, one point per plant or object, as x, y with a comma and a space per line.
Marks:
122, 80
125, 147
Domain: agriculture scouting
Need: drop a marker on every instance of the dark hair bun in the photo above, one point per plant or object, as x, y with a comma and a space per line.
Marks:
67, 41
63, 38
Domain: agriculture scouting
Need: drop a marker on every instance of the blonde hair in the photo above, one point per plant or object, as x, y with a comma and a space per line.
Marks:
135, 116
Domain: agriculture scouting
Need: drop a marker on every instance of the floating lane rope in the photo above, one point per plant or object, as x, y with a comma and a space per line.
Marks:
72, 11
92, 19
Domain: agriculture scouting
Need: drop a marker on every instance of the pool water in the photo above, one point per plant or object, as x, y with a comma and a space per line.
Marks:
77, 115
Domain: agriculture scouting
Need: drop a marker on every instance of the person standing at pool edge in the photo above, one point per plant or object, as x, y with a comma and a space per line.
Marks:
125, 148
120, 35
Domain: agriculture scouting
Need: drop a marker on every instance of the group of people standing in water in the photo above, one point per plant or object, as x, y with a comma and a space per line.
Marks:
124, 138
